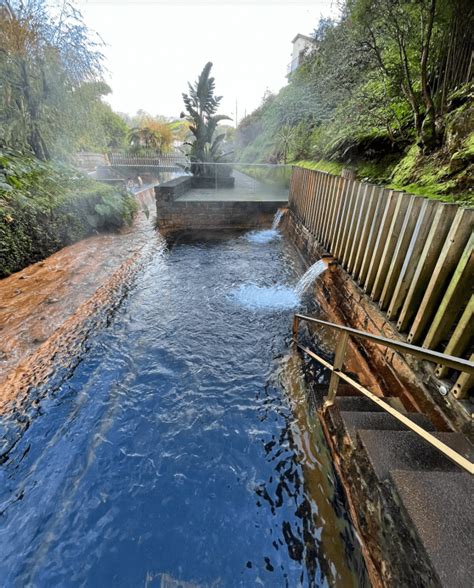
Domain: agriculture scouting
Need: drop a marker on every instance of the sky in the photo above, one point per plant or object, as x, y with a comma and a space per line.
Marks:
154, 47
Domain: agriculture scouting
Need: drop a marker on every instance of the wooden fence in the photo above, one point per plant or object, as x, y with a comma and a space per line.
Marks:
411, 255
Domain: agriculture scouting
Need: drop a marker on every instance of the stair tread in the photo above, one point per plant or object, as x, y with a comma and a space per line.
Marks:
378, 421
364, 404
405, 450
441, 508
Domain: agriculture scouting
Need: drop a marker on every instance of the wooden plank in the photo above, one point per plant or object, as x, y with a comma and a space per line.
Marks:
392, 209
347, 219
461, 338
296, 194
313, 202
371, 204
322, 203
319, 202
337, 212
291, 191
301, 195
398, 218
359, 191
318, 179
305, 198
463, 385
309, 197
327, 212
380, 196
443, 218
310, 200
349, 226
363, 206
331, 212
400, 251
454, 299
346, 189
318, 183
453, 247
412, 256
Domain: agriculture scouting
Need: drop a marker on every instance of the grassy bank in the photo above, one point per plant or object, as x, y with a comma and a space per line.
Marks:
46, 206
441, 176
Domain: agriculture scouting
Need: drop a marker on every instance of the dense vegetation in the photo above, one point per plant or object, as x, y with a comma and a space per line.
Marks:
387, 89
45, 206
51, 107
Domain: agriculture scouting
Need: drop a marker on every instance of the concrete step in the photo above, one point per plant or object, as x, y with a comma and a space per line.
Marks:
364, 404
404, 450
378, 421
441, 508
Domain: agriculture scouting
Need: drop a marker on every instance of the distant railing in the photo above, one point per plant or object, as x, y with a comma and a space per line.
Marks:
412, 255
337, 374
164, 160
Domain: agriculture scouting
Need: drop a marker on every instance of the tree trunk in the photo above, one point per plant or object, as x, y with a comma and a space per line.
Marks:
428, 129
35, 140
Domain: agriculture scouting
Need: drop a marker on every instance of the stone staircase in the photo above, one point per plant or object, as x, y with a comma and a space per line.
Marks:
412, 505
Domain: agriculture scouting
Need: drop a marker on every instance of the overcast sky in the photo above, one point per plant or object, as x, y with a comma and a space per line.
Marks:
155, 46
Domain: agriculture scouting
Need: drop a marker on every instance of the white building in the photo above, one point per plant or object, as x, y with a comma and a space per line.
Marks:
301, 45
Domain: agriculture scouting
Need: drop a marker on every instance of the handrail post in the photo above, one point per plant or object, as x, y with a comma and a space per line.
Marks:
338, 361
296, 324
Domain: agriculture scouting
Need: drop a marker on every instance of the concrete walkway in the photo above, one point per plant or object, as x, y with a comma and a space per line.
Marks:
246, 189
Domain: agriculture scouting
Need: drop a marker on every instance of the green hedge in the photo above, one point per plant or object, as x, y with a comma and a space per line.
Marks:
44, 207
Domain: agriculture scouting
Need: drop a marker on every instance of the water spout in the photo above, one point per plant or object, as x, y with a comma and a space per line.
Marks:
277, 218
267, 235
310, 276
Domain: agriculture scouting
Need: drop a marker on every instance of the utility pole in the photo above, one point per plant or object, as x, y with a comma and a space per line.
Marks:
236, 114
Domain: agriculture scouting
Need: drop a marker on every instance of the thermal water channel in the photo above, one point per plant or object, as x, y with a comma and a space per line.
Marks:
173, 453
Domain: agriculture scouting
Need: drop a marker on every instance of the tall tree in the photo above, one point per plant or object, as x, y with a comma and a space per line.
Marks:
44, 61
402, 36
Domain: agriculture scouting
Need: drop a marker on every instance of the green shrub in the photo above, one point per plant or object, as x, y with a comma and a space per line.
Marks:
44, 207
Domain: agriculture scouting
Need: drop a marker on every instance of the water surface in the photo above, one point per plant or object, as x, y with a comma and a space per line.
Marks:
172, 454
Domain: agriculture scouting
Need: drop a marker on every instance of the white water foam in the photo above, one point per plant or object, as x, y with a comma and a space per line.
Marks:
264, 236
278, 297
267, 235
255, 297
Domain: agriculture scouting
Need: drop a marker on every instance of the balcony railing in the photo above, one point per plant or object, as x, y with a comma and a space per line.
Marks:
293, 65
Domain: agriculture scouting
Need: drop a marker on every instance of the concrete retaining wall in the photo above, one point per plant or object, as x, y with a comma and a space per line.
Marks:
175, 215
180, 216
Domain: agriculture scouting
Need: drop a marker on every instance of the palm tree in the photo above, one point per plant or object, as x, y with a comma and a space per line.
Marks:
144, 137
201, 105
284, 141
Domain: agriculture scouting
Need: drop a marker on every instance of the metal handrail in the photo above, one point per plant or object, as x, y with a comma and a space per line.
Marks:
456, 363
337, 374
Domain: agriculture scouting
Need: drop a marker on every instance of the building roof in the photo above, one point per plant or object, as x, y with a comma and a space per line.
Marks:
300, 36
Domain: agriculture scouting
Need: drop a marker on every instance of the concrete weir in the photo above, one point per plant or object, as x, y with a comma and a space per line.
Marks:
181, 207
